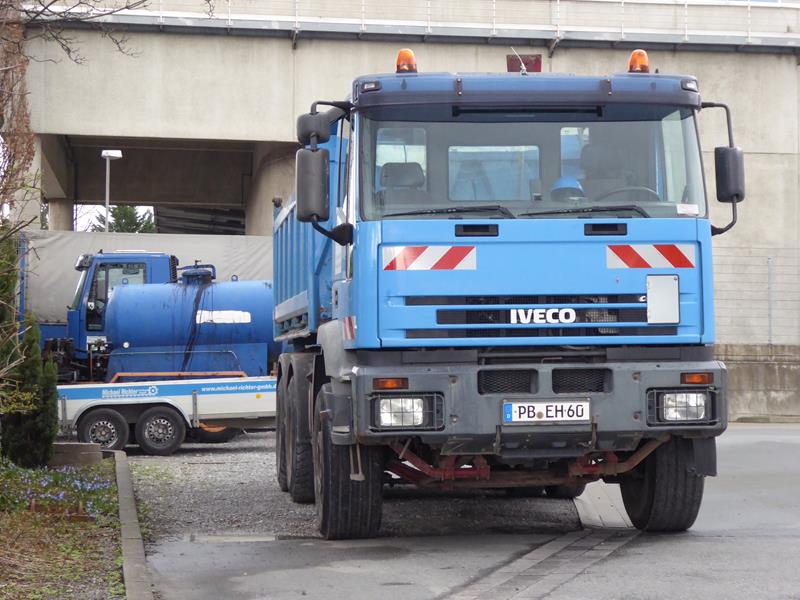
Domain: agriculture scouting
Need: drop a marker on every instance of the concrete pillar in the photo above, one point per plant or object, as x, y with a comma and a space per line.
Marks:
60, 214
273, 177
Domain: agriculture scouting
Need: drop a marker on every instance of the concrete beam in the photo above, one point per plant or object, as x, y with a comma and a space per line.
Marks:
170, 172
59, 214
274, 178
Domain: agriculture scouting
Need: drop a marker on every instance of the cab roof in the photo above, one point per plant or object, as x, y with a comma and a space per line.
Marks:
514, 89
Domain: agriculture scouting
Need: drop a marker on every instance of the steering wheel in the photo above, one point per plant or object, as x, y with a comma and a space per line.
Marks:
629, 188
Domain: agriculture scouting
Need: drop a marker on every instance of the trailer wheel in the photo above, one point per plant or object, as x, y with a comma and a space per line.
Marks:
215, 435
346, 508
280, 429
564, 491
299, 454
160, 431
104, 426
664, 493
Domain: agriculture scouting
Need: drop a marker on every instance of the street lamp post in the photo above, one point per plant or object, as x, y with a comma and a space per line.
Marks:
109, 155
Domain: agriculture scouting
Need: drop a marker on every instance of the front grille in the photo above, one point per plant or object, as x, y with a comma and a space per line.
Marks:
581, 381
537, 332
584, 315
507, 381
538, 299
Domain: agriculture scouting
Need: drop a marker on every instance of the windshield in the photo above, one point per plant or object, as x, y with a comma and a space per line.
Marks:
76, 300
624, 160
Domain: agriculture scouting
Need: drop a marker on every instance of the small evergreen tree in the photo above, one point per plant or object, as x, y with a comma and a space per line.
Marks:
125, 219
27, 438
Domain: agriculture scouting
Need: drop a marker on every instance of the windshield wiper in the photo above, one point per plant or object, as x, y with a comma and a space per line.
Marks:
456, 210
588, 209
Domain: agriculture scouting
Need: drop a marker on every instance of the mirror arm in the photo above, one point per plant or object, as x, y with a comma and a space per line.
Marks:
719, 230
728, 118
342, 234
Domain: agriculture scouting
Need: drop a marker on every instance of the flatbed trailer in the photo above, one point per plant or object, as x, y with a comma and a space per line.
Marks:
160, 413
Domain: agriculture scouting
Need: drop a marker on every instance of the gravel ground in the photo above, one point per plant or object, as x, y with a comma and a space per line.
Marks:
230, 489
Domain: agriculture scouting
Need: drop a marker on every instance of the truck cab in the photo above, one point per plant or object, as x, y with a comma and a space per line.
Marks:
501, 281
99, 275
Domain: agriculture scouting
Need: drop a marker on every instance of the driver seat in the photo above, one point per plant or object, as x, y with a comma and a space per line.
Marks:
602, 170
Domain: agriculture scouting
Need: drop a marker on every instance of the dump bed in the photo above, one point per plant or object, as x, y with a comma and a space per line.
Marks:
302, 264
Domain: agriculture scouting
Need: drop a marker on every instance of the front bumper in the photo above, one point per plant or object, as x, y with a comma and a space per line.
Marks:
621, 415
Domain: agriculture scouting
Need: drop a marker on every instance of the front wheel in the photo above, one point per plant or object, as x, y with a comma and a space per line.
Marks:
664, 492
346, 508
160, 431
104, 426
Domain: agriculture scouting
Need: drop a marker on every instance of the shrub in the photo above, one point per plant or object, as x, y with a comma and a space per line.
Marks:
27, 438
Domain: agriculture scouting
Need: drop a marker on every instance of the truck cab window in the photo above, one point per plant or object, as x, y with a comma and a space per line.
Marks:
106, 278
491, 173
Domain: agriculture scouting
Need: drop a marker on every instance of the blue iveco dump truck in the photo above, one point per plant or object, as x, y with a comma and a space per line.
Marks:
501, 281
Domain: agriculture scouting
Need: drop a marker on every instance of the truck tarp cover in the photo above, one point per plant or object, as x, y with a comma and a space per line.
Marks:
51, 278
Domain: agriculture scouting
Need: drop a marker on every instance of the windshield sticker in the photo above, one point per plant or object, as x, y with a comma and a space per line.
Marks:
690, 210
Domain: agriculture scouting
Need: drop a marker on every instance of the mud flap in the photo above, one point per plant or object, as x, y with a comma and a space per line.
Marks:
704, 452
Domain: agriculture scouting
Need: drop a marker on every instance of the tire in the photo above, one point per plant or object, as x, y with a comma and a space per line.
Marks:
299, 454
664, 493
160, 431
203, 436
346, 509
104, 426
280, 428
525, 492
564, 491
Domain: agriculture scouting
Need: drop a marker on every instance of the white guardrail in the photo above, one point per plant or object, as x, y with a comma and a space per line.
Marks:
739, 23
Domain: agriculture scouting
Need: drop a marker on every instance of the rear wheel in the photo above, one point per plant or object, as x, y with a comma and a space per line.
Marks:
564, 491
280, 428
160, 431
664, 493
346, 508
299, 455
104, 426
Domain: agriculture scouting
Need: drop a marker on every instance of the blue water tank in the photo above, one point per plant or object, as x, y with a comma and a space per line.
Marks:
195, 325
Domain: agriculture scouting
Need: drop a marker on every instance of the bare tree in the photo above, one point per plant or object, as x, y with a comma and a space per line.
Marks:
20, 22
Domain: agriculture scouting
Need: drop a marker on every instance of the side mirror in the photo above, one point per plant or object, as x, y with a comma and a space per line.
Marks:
309, 125
729, 167
311, 183
315, 127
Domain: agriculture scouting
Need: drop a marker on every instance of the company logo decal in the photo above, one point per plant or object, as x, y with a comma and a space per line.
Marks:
650, 256
540, 316
429, 258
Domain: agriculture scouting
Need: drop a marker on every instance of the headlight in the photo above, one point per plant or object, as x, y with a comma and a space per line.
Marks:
401, 412
683, 406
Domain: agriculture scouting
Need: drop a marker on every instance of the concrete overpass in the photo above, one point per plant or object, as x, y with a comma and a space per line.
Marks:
205, 110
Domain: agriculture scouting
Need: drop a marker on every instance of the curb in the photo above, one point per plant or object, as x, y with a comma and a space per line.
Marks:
134, 568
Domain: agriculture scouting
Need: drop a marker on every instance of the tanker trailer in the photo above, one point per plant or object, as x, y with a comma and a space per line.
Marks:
190, 357
195, 327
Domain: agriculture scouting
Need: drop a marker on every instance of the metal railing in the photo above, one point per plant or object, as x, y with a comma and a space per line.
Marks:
736, 23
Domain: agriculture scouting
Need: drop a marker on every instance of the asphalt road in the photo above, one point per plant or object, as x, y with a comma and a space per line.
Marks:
745, 544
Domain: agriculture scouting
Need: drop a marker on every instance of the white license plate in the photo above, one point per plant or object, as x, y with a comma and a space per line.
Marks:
546, 411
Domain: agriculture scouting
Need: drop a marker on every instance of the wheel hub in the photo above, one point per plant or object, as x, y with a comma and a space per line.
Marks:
103, 433
160, 431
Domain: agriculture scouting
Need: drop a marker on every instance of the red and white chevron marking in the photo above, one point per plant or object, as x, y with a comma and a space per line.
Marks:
349, 328
429, 258
650, 256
